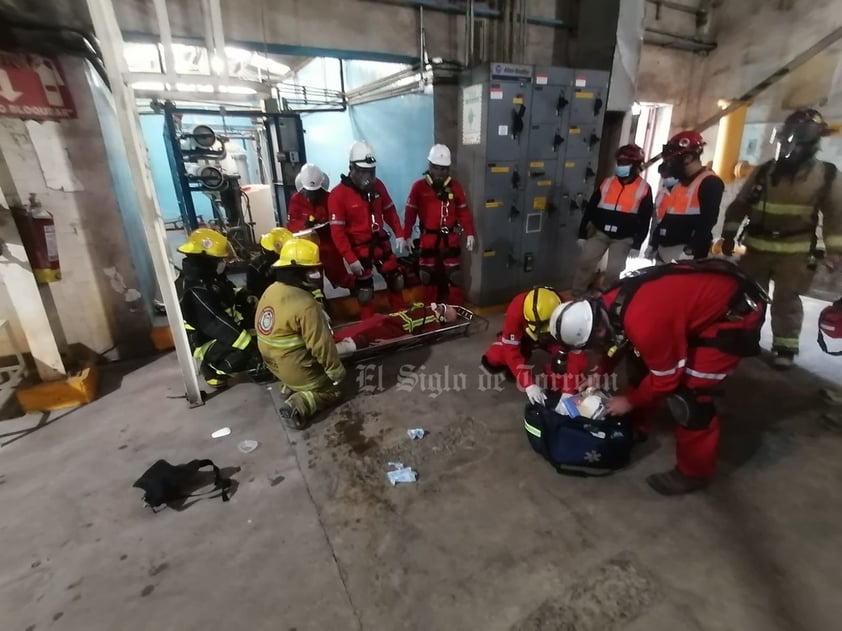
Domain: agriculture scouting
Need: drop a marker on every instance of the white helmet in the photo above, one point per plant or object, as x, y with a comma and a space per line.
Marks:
572, 323
298, 183
439, 155
312, 177
362, 155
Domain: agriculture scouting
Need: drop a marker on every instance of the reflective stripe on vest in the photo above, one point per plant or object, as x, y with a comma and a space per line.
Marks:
531, 429
242, 341
614, 195
684, 200
286, 341
410, 325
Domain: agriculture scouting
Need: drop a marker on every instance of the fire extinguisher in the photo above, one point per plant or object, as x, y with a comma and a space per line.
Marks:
38, 234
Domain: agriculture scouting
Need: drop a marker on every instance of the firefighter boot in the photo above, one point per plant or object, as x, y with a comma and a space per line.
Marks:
291, 417
675, 483
784, 360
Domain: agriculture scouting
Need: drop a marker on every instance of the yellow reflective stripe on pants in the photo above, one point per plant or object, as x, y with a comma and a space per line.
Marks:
785, 343
202, 350
792, 210
288, 341
242, 342
188, 326
833, 242
532, 429
778, 246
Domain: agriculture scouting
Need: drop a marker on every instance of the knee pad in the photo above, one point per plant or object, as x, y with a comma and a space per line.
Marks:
689, 412
394, 281
365, 290
425, 275
454, 275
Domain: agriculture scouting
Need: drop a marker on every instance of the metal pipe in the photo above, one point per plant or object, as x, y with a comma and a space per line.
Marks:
219, 36
166, 40
684, 38
479, 11
108, 30
728, 141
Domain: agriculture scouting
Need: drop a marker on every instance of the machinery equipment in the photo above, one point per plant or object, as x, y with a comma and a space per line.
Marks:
528, 153
201, 162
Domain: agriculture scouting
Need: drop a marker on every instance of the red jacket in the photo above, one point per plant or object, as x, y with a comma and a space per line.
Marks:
301, 212
353, 219
434, 213
517, 345
661, 318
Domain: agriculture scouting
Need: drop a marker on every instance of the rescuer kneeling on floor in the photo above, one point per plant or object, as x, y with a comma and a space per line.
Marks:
294, 338
214, 309
689, 324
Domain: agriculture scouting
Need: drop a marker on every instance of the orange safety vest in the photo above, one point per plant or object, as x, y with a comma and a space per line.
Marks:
684, 200
660, 203
614, 195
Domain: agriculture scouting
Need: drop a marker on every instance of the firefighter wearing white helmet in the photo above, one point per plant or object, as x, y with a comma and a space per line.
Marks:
308, 209
360, 208
439, 204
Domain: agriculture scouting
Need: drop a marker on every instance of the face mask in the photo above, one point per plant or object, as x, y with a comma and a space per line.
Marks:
220, 267
670, 182
313, 279
363, 178
622, 170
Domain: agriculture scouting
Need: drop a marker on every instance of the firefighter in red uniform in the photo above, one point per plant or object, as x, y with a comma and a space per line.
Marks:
308, 209
689, 323
440, 204
360, 207
525, 330
691, 210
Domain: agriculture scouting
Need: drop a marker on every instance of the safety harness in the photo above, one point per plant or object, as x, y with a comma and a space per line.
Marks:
746, 299
378, 235
444, 193
760, 194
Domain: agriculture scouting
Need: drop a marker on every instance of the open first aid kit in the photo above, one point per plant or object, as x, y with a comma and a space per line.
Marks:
576, 444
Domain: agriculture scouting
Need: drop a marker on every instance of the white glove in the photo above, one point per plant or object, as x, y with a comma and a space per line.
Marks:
408, 245
535, 395
470, 242
356, 268
400, 243
581, 243
649, 254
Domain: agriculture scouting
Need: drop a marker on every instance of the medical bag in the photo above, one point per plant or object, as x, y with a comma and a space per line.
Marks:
578, 445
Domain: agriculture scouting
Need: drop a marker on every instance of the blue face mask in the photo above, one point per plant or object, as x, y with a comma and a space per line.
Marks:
622, 170
670, 182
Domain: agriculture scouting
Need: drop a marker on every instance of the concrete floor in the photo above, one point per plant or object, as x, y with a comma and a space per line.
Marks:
489, 538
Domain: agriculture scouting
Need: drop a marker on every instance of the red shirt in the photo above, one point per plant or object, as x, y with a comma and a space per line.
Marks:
434, 213
660, 320
353, 220
301, 211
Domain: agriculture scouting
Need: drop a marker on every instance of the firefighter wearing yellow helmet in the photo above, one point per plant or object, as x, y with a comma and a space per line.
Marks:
526, 328
294, 337
259, 274
216, 315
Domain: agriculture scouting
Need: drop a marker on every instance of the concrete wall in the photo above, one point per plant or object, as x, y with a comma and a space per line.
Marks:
99, 299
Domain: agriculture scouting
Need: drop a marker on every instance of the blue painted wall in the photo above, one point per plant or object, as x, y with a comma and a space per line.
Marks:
124, 189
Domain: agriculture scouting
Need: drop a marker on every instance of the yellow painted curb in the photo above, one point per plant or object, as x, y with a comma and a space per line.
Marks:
60, 395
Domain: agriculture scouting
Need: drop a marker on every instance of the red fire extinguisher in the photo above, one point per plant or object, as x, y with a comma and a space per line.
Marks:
38, 234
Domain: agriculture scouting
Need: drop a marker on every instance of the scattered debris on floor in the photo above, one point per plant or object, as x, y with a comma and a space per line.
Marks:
247, 446
401, 474
222, 432
416, 433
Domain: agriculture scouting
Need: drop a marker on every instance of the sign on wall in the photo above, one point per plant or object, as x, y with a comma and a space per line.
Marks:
472, 115
33, 87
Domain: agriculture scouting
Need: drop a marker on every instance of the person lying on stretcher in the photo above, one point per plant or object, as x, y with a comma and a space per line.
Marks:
418, 318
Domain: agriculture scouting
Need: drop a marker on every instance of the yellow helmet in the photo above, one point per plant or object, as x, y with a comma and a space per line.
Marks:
538, 307
298, 253
274, 240
206, 241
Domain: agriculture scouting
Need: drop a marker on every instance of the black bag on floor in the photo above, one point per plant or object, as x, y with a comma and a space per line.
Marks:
577, 446
163, 482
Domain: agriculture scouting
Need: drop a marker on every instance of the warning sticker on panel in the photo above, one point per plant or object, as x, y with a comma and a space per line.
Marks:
495, 169
493, 203
518, 100
502, 130
575, 130
569, 165
539, 203
584, 95
544, 182
496, 94
581, 82
536, 165
489, 253
541, 79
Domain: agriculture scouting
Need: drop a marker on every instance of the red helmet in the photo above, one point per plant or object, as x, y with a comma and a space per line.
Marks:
630, 154
684, 143
830, 324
